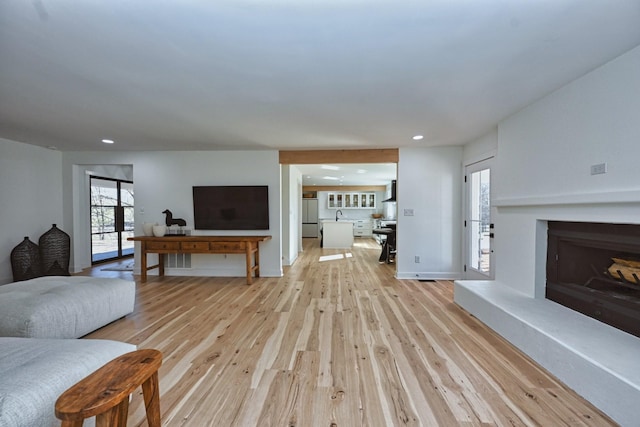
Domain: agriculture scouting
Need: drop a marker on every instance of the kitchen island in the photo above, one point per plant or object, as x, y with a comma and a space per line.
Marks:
337, 234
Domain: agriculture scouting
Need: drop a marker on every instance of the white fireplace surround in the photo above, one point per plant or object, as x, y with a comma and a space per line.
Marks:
599, 362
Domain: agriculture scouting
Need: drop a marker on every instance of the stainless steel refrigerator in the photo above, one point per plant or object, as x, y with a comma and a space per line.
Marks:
309, 217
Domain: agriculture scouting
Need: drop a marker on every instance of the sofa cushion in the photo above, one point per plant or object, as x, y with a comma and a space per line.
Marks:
34, 372
62, 306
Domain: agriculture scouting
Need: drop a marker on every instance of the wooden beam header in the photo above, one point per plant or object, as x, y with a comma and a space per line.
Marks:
314, 157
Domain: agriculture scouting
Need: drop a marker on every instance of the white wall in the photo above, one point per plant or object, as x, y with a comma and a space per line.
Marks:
481, 148
429, 183
31, 194
546, 150
164, 180
542, 169
292, 206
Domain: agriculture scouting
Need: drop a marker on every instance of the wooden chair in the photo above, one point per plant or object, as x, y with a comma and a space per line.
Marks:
105, 393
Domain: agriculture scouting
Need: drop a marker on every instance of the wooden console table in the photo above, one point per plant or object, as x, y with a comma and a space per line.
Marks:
247, 245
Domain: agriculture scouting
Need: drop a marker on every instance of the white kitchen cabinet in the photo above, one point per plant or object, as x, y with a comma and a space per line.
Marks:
347, 199
334, 200
362, 228
368, 200
351, 200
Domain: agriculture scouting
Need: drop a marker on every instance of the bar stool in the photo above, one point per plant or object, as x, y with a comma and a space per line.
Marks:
105, 393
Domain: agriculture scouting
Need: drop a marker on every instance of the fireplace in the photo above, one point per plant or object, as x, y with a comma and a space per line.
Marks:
594, 268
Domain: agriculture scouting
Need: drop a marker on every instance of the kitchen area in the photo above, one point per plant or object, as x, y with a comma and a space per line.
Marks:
341, 216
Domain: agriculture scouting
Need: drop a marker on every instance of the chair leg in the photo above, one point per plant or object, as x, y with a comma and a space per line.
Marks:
114, 417
151, 391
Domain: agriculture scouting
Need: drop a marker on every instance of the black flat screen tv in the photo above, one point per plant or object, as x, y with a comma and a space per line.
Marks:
231, 207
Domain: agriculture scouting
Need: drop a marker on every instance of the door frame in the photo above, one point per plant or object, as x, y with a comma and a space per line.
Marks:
469, 272
119, 220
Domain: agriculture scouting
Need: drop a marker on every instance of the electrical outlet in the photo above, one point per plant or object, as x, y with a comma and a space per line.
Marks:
598, 169
417, 259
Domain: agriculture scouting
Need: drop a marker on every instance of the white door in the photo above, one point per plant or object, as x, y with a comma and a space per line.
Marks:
479, 260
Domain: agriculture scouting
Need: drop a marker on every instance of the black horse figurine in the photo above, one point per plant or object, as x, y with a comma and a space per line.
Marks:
170, 220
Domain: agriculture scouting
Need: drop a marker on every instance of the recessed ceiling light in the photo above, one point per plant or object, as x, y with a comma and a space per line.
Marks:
332, 178
417, 137
362, 171
330, 167
108, 141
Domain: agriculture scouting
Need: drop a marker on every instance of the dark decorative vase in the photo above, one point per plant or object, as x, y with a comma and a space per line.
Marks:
55, 248
25, 261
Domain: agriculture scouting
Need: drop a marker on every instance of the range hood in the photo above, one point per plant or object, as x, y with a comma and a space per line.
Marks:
393, 193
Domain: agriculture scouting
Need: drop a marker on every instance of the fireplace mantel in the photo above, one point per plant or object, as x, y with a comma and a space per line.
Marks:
572, 346
597, 198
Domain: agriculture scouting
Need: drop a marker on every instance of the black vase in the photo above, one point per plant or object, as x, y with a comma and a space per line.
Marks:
55, 248
25, 261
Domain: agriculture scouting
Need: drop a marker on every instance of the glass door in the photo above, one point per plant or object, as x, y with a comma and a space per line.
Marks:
478, 227
111, 218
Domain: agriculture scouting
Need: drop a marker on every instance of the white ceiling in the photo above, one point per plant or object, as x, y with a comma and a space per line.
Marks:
285, 74
348, 174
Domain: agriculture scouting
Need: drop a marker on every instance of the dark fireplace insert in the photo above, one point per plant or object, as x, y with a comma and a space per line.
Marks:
594, 268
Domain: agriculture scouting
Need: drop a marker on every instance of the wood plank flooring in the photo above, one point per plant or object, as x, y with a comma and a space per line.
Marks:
334, 343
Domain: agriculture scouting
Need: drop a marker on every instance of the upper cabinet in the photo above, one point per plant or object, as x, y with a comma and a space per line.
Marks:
351, 200
334, 200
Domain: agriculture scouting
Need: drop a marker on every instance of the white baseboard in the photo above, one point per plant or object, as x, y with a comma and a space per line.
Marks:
428, 275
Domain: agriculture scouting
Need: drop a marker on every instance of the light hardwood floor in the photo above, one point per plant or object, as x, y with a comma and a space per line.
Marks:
334, 343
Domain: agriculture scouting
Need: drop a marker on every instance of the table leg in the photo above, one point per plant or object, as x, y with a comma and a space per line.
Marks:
143, 262
248, 262
257, 259
160, 265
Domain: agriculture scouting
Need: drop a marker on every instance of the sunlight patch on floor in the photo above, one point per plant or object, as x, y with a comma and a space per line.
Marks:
361, 244
335, 257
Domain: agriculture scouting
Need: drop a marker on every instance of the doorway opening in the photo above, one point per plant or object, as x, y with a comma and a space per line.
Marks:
112, 210
337, 192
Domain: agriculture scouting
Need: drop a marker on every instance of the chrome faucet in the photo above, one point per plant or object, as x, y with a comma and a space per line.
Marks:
338, 212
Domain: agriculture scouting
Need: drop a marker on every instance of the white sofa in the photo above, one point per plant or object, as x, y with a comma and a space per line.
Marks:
38, 360
34, 372
63, 306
